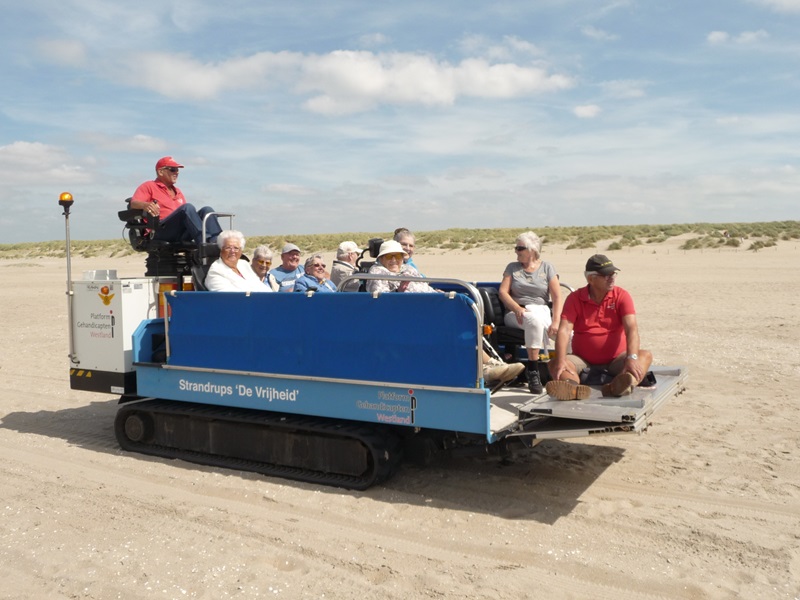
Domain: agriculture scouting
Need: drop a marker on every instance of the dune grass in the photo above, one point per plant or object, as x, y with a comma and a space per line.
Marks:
698, 236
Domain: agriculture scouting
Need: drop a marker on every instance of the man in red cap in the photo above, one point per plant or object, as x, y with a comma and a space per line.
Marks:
600, 320
179, 221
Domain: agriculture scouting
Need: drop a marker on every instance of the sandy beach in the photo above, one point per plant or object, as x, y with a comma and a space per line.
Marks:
704, 505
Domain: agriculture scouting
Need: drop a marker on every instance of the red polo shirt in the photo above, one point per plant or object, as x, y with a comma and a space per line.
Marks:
599, 334
156, 191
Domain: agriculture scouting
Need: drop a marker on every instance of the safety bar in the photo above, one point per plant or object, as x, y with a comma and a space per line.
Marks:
217, 214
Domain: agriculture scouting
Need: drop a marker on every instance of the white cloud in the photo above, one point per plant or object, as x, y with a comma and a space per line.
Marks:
728, 121
777, 170
586, 111
373, 40
181, 76
30, 154
473, 174
135, 143
344, 81
750, 37
773, 124
608, 7
511, 48
786, 6
598, 34
476, 77
21, 161
508, 49
70, 53
718, 37
289, 189
405, 181
625, 88
190, 15
521, 45
745, 37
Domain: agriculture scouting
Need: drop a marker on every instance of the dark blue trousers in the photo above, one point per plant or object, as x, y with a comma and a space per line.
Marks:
185, 224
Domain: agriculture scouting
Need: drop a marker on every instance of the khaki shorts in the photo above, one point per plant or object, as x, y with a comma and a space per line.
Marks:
615, 367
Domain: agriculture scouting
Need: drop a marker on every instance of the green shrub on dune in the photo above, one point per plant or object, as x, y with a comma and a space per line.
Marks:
611, 237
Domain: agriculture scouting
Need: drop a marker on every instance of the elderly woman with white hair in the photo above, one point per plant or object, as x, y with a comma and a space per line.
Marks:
230, 273
409, 243
528, 285
261, 262
314, 279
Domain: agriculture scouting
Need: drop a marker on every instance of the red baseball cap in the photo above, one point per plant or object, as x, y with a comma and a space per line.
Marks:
167, 161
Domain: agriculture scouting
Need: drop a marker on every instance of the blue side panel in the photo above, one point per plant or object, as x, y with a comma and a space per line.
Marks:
147, 337
427, 339
452, 410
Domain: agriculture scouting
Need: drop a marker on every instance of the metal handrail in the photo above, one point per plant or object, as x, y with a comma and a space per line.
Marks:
473, 291
217, 214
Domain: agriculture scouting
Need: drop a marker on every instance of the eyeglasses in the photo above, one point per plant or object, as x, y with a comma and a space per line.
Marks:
172, 169
395, 256
263, 262
610, 276
520, 248
319, 265
231, 248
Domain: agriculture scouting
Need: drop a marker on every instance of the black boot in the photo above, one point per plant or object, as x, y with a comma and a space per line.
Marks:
534, 380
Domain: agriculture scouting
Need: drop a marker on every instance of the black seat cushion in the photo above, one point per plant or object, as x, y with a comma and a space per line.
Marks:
494, 314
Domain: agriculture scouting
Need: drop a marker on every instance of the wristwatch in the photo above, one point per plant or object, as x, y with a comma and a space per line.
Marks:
633, 356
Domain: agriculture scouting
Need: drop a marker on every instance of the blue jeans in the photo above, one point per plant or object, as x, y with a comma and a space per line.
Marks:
185, 224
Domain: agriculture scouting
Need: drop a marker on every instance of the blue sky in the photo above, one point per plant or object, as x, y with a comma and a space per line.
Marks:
313, 117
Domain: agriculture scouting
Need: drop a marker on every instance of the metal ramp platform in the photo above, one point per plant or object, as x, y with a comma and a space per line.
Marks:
518, 413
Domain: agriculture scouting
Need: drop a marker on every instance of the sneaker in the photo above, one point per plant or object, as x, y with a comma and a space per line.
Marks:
494, 370
498, 372
567, 390
534, 380
621, 385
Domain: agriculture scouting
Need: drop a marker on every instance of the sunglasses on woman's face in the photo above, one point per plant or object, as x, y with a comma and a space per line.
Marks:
264, 263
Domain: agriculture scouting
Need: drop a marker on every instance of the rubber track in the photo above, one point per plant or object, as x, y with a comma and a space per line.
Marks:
381, 445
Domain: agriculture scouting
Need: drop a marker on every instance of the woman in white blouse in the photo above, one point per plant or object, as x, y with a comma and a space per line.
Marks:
230, 273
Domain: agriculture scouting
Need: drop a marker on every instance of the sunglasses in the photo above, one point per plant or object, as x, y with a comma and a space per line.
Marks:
172, 169
263, 262
394, 257
319, 265
520, 248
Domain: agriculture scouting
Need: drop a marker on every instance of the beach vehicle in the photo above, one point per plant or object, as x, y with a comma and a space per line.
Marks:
335, 389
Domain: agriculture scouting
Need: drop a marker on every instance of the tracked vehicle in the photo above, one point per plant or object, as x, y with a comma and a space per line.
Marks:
336, 389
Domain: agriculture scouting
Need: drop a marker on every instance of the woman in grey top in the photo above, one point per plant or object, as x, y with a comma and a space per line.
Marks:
527, 286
